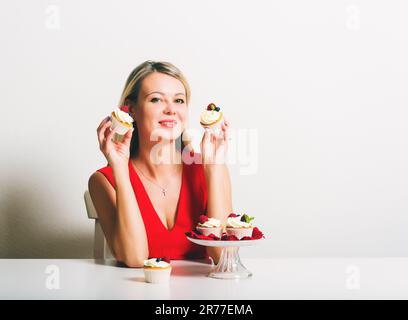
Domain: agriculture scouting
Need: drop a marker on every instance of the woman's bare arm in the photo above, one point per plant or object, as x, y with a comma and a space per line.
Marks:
219, 202
117, 208
120, 217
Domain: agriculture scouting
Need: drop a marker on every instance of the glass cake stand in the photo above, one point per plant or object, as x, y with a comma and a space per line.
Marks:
229, 266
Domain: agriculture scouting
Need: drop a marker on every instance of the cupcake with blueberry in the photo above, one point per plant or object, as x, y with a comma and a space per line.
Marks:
157, 270
207, 226
122, 122
239, 226
211, 117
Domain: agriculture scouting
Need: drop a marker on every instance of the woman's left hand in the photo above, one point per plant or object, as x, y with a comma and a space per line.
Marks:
214, 146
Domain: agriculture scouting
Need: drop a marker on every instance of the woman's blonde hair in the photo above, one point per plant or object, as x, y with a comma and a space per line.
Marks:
132, 89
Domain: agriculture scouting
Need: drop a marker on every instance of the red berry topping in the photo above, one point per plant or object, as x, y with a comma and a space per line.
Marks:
202, 219
203, 237
213, 236
233, 215
246, 238
124, 109
196, 235
211, 106
226, 237
257, 234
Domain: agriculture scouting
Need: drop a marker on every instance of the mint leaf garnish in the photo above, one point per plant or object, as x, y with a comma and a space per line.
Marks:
246, 218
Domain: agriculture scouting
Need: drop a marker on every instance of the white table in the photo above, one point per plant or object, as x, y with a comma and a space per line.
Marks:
283, 278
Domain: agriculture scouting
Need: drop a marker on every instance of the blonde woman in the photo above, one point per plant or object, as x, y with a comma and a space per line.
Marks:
155, 187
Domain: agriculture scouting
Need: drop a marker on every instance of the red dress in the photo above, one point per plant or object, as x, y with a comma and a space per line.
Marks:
191, 204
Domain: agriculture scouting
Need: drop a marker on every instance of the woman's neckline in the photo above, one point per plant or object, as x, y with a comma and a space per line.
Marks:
176, 217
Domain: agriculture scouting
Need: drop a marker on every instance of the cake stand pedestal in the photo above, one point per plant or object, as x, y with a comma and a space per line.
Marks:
229, 266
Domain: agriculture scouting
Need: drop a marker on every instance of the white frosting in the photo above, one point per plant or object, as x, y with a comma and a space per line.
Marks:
210, 116
211, 223
153, 263
123, 116
235, 222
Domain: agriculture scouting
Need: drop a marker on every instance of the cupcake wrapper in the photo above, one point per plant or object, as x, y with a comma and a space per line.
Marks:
216, 129
118, 127
157, 275
207, 231
239, 232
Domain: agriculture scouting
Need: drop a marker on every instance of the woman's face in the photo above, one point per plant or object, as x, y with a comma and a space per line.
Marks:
161, 109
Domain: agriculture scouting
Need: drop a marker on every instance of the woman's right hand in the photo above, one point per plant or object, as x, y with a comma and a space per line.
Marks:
117, 153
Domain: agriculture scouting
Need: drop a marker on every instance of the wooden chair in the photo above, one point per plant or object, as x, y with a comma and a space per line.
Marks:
101, 248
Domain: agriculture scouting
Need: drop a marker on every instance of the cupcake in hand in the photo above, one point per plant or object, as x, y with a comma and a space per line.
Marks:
122, 122
211, 117
157, 270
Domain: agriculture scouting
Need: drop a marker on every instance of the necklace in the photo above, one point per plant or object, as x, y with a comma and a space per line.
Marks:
164, 190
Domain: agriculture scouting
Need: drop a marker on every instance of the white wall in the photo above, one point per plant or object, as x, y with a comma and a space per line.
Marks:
321, 83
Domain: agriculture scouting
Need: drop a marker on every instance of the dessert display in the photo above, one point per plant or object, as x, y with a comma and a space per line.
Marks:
239, 232
157, 270
209, 227
211, 117
121, 121
238, 227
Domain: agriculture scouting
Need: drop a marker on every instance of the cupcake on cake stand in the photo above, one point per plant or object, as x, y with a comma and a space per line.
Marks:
239, 233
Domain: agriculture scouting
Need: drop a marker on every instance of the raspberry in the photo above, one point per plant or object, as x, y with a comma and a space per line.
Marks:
195, 235
233, 215
257, 234
202, 219
192, 234
213, 236
246, 238
203, 237
226, 237
124, 109
211, 106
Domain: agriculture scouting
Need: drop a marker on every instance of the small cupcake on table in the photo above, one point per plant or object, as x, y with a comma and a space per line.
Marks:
157, 270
